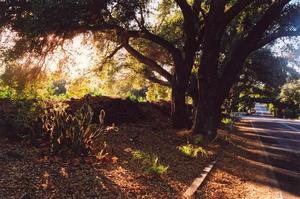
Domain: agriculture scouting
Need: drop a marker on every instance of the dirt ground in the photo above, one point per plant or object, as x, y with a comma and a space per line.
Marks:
28, 169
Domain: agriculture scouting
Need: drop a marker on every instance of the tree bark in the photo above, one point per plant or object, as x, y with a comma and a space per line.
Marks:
178, 105
208, 110
208, 107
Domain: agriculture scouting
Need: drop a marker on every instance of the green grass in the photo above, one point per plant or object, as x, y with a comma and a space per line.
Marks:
192, 151
150, 162
139, 155
156, 167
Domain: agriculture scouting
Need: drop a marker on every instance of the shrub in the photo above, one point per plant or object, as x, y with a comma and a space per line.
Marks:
134, 98
192, 151
73, 131
150, 162
21, 118
55, 122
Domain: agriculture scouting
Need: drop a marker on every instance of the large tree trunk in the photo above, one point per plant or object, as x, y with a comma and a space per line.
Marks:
208, 111
208, 106
178, 107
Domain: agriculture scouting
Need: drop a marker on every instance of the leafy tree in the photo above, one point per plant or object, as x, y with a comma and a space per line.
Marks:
214, 36
290, 95
262, 77
6, 91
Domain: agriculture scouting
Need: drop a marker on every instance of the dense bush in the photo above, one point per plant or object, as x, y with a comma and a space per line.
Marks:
21, 118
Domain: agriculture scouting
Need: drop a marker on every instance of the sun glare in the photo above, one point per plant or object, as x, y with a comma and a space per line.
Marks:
75, 57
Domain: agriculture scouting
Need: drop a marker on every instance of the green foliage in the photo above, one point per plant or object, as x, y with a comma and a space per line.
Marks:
156, 167
157, 92
134, 98
139, 155
22, 117
150, 162
290, 93
38, 19
227, 139
6, 92
261, 79
227, 122
79, 87
22, 81
192, 150
271, 108
290, 98
75, 131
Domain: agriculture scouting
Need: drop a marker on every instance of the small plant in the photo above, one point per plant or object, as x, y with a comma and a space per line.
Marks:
132, 98
192, 151
55, 123
227, 138
140, 155
156, 167
6, 92
102, 154
74, 131
150, 162
227, 122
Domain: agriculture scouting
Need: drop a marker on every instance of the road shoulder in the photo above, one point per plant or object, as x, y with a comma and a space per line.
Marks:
242, 171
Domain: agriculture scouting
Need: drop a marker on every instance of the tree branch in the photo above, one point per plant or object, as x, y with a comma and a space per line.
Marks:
235, 10
272, 37
151, 77
196, 7
191, 28
112, 54
145, 34
185, 8
147, 61
258, 30
245, 46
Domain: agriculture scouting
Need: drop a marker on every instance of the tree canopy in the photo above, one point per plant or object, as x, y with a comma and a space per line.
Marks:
290, 93
170, 38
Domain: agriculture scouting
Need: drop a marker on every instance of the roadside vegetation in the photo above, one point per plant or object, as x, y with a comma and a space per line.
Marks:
127, 99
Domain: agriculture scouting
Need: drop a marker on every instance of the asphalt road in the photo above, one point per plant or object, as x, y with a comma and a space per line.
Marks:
281, 142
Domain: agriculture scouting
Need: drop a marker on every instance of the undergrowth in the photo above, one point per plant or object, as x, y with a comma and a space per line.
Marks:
192, 150
150, 162
74, 132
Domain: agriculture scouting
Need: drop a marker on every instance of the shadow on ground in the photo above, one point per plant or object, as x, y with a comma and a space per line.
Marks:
278, 156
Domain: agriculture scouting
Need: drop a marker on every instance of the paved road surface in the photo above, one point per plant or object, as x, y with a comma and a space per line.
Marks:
281, 142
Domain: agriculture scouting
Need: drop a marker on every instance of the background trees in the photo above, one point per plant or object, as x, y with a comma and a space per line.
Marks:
262, 77
290, 94
213, 38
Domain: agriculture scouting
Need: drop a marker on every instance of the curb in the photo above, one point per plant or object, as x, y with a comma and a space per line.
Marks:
190, 192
